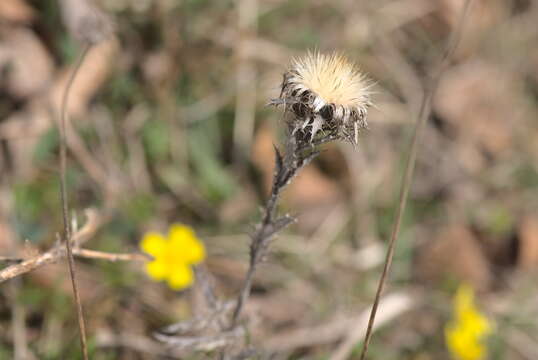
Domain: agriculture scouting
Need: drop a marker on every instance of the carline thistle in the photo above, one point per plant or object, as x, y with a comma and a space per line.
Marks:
325, 93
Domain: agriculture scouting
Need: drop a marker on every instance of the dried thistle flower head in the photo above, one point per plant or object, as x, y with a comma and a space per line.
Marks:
326, 93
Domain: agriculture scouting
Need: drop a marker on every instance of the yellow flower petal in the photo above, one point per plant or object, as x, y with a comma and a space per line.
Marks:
157, 270
184, 242
181, 278
153, 243
180, 233
195, 252
465, 334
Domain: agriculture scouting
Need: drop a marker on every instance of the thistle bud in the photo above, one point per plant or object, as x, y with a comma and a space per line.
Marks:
327, 94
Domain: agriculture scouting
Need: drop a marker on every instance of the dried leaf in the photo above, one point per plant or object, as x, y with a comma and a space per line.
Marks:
480, 101
455, 252
26, 62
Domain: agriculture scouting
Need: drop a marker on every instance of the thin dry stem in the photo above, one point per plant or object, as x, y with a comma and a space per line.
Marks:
424, 114
93, 254
88, 230
112, 257
65, 203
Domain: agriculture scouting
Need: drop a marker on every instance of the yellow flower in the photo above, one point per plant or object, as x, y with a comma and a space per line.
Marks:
173, 255
466, 333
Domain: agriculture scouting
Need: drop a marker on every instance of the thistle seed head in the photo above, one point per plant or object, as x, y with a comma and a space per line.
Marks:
326, 93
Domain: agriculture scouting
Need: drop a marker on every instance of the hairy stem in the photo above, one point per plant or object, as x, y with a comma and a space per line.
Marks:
297, 155
256, 252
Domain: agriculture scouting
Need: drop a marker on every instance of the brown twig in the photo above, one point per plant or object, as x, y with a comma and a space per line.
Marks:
12, 271
54, 254
423, 116
113, 257
92, 254
65, 204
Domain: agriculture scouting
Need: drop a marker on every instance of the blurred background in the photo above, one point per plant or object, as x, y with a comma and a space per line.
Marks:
169, 124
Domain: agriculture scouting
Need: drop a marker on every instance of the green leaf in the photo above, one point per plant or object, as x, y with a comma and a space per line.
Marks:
45, 148
213, 178
156, 139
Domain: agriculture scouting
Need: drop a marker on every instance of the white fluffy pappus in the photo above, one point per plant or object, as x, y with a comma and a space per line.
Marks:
328, 93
